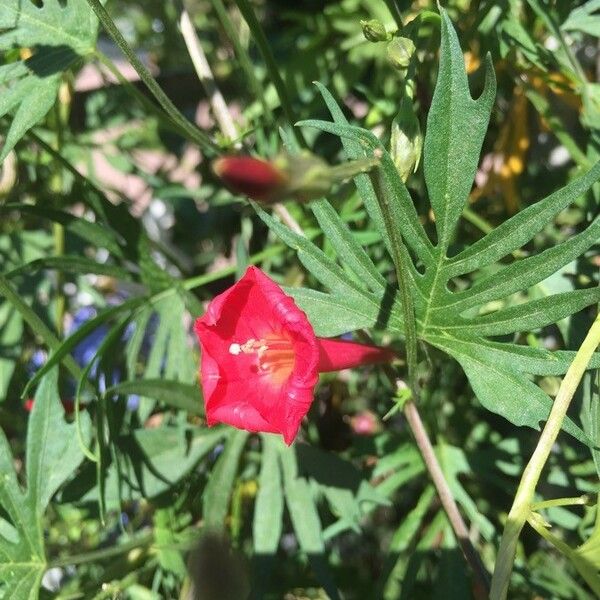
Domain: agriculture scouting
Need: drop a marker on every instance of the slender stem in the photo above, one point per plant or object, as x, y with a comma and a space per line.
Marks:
96, 555
218, 105
445, 495
395, 12
144, 100
56, 185
58, 234
521, 507
263, 45
185, 126
242, 54
413, 418
575, 501
205, 75
399, 257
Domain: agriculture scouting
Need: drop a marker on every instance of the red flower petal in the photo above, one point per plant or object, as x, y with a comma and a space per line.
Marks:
335, 355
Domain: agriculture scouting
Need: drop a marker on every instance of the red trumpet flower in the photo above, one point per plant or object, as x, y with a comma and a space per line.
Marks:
261, 358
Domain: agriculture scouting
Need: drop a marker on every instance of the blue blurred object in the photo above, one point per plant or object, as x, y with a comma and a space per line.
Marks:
85, 352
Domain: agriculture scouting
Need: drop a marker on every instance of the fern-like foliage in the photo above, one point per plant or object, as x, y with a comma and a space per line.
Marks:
359, 295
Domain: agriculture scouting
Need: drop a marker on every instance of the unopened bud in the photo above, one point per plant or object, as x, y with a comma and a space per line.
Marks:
406, 140
400, 51
374, 31
302, 177
253, 177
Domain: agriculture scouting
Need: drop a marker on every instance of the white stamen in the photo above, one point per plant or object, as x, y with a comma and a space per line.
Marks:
235, 349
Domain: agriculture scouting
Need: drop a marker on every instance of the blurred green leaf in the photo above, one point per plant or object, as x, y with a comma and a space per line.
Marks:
217, 495
174, 394
268, 511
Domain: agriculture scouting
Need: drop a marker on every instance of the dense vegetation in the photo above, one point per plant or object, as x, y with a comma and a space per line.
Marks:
424, 179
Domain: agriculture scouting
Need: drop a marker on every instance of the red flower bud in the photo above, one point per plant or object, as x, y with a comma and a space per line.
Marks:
255, 178
302, 177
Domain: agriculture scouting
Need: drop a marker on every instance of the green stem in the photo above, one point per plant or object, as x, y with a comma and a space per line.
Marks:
56, 186
263, 45
144, 100
185, 127
521, 507
399, 257
242, 54
97, 555
58, 234
575, 501
584, 568
395, 12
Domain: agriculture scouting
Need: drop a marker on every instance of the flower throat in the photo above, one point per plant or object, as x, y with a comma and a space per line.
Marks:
275, 355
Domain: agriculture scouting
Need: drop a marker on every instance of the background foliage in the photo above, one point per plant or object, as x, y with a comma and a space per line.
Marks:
115, 232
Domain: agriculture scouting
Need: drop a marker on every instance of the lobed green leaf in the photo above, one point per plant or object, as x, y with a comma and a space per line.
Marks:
456, 126
522, 227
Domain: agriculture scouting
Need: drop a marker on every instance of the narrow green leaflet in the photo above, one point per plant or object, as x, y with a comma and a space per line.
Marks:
11, 332
175, 394
268, 511
530, 315
522, 274
216, 497
520, 228
53, 454
71, 264
58, 34
512, 357
456, 126
340, 236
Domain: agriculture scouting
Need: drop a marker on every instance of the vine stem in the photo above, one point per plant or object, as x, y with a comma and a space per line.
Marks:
78, 559
400, 258
445, 494
263, 45
184, 125
522, 503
